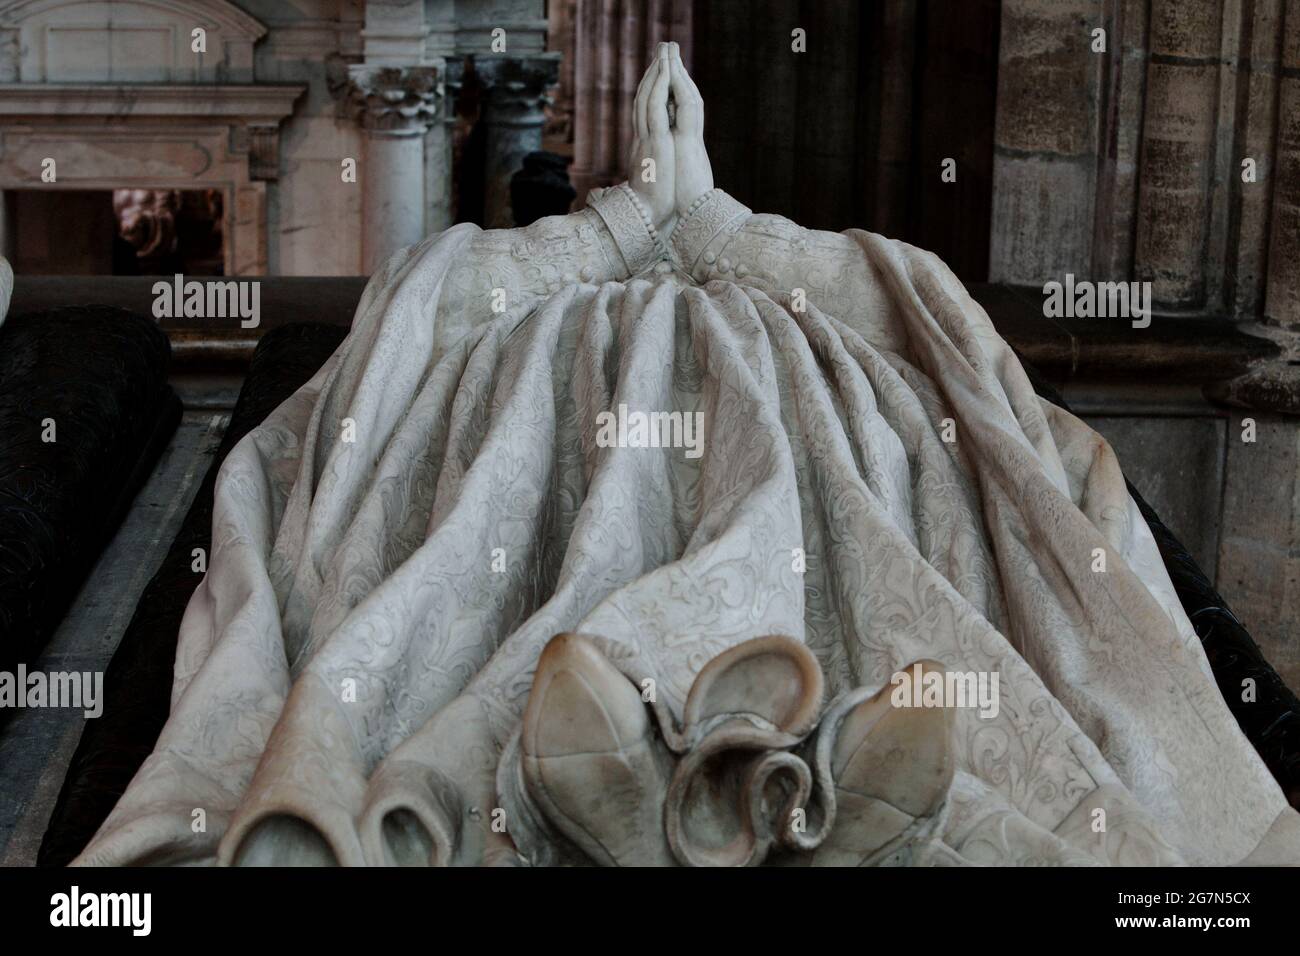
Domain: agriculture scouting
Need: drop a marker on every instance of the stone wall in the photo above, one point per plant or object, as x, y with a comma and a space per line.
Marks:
1172, 157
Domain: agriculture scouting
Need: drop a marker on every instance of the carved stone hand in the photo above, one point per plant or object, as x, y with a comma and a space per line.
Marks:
694, 171
651, 167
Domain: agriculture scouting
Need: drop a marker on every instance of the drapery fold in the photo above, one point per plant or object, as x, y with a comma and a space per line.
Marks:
394, 546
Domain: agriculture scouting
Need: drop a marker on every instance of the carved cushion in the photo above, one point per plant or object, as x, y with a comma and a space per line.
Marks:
85, 410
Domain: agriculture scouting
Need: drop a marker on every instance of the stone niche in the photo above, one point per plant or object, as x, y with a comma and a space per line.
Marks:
115, 95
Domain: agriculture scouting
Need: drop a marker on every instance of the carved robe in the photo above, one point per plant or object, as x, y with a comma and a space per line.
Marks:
394, 546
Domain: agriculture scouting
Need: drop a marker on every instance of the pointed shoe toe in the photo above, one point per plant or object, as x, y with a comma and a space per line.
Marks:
590, 758
893, 767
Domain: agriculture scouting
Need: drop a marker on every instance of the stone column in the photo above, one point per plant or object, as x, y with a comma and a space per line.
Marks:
1266, 224
1256, 128
1178, 151
1121, 96
439, 155
396, 106
1282, 306
1045, 141
513, 113
612, 43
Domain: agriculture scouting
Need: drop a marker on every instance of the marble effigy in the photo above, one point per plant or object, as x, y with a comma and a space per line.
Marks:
443, 623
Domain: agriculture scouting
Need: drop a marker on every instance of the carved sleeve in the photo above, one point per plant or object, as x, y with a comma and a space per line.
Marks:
722, 239
509, 269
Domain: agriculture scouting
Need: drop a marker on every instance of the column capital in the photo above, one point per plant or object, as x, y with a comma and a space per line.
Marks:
516, 86
398, 100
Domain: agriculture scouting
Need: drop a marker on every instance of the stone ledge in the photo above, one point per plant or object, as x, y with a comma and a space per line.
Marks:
41, 102
1272, 385
1175, 349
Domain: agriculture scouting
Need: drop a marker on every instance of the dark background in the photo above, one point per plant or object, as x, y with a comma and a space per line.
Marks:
853, 132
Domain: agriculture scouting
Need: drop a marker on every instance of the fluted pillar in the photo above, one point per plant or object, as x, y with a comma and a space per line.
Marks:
613, 43
515, 89
396, 107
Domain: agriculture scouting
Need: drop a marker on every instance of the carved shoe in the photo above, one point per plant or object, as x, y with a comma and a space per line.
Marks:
590, 758
734, 794
892, 768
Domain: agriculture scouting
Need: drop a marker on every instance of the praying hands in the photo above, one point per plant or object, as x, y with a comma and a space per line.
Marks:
669, 166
